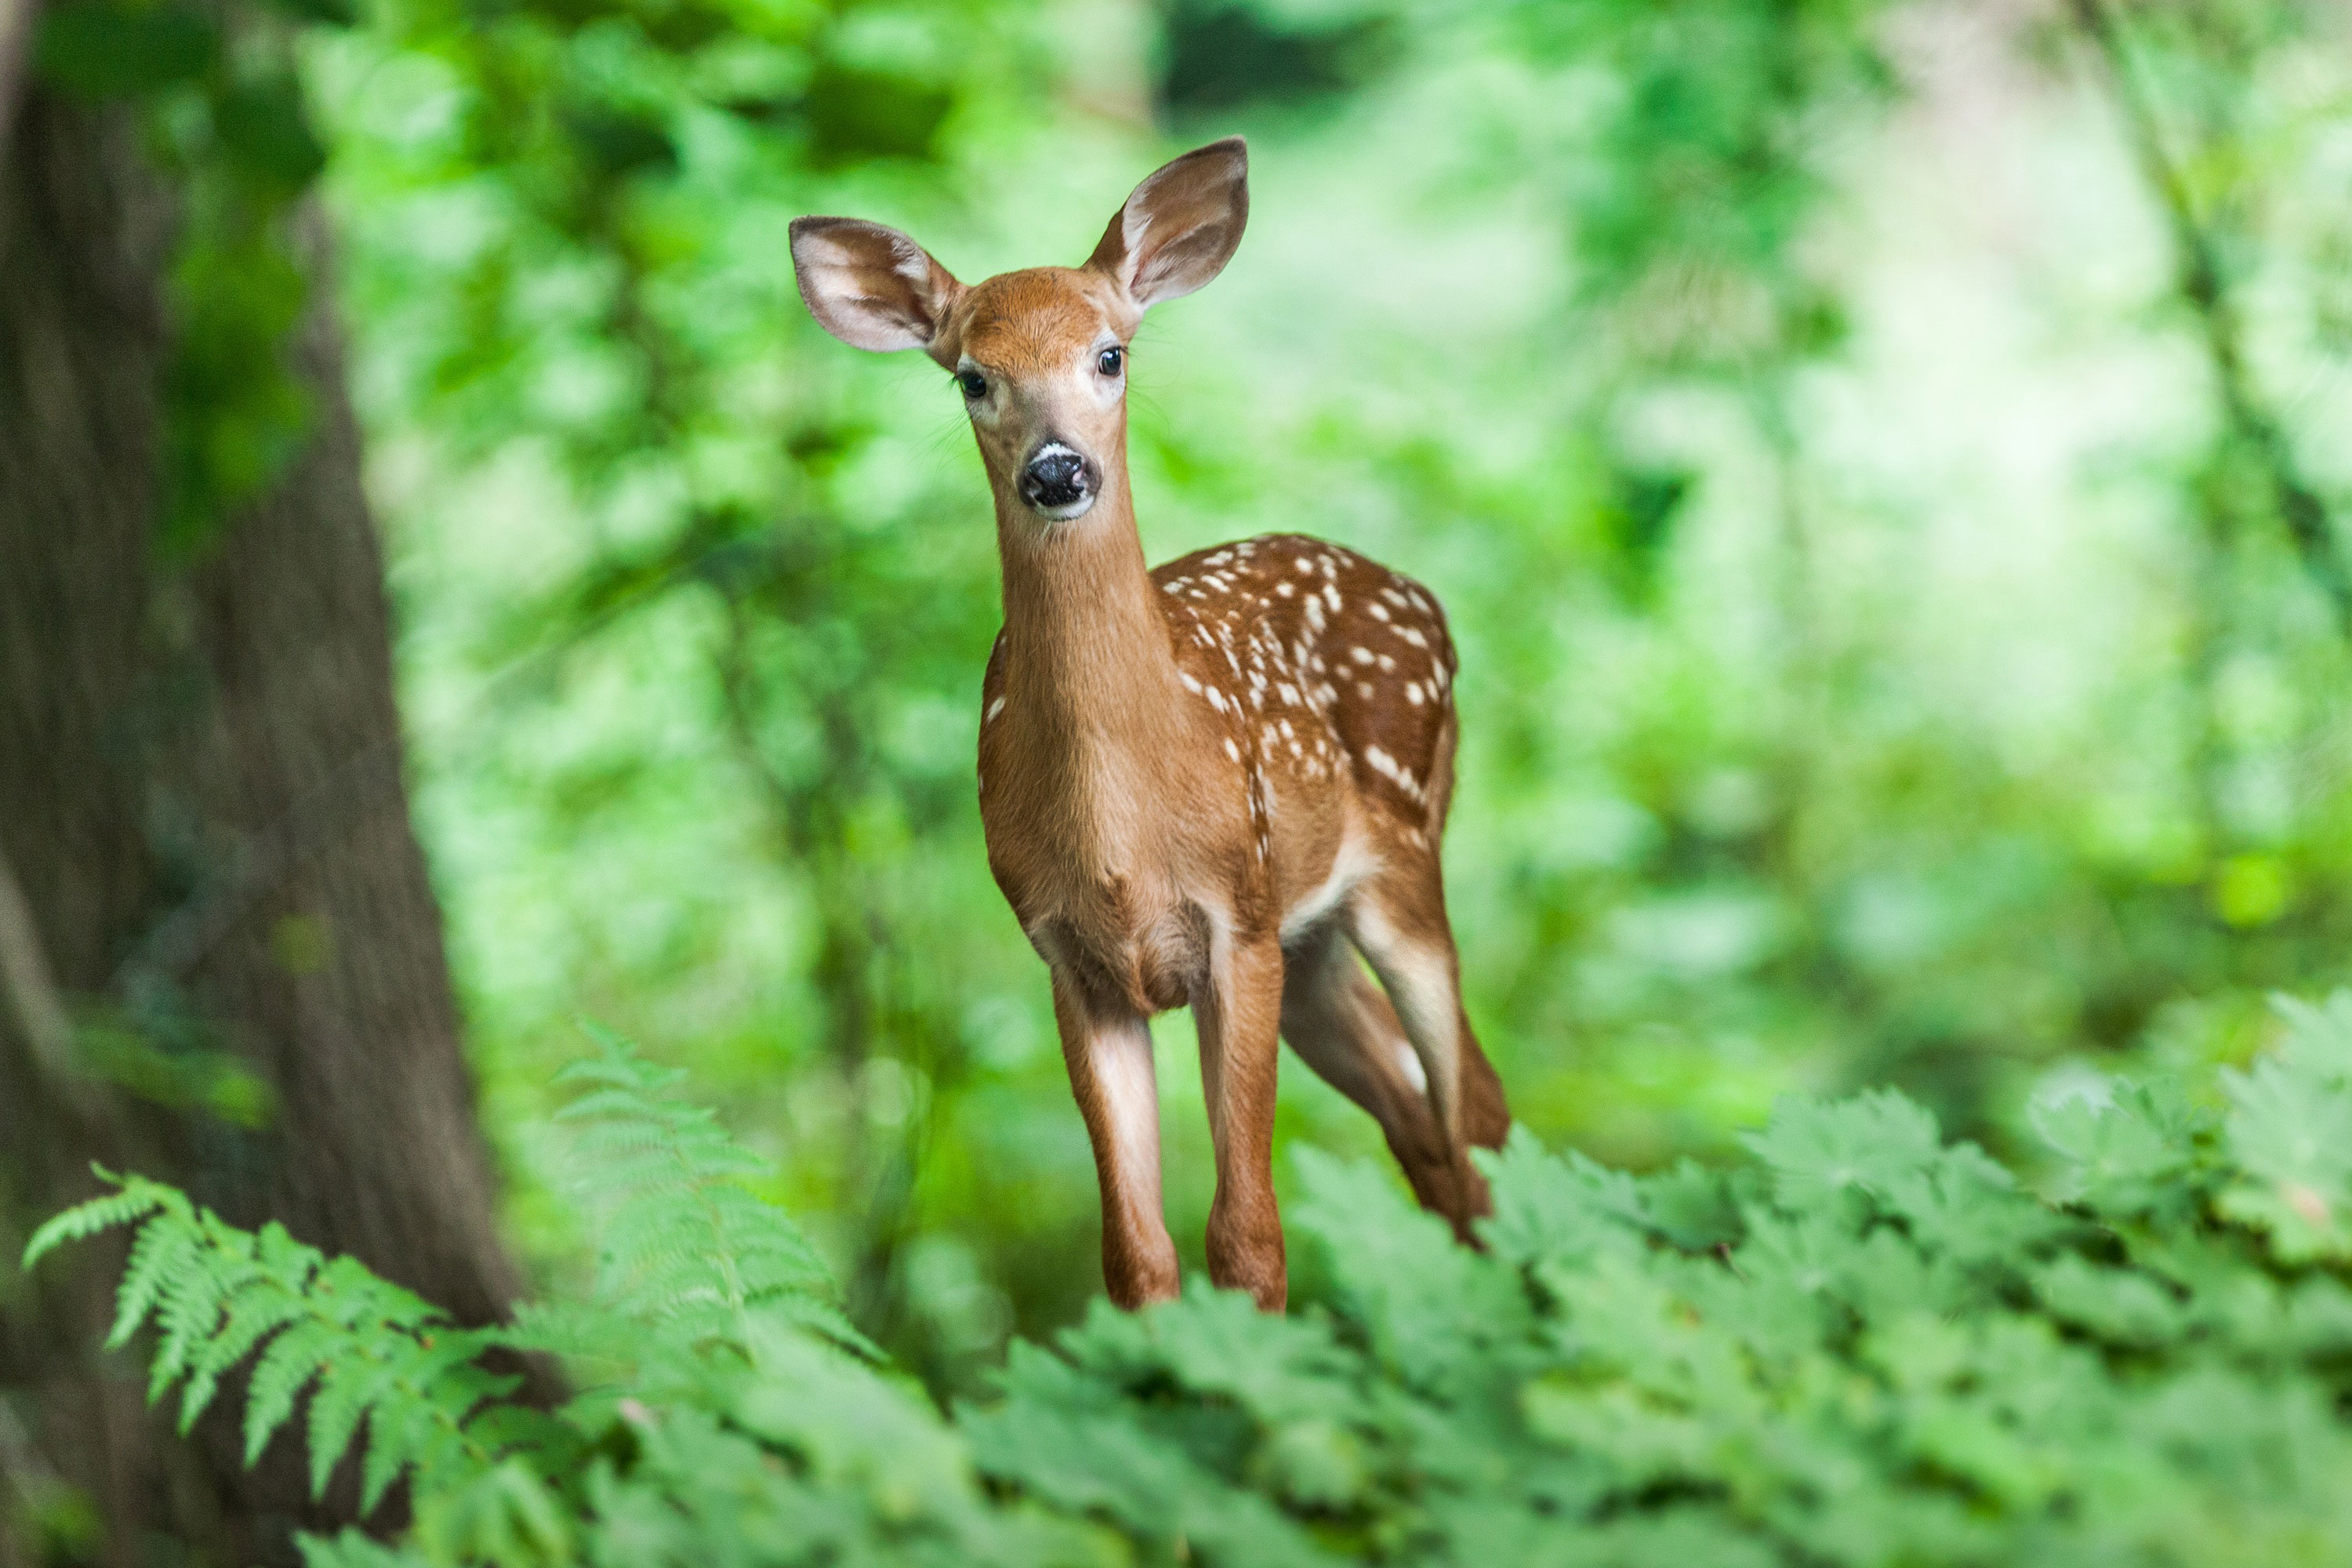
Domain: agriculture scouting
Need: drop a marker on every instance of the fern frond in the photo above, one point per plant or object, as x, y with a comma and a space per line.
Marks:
284, 1371
162, 1252
254, 1315
386, 1369
338, 1407
136, 1199
505, 1515
188, 1314
685, 1248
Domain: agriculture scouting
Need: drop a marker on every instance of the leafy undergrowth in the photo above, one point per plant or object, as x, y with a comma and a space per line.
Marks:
1864, 1347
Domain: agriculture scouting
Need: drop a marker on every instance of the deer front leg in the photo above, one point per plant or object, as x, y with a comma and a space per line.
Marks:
1240, 1021
1108, 1052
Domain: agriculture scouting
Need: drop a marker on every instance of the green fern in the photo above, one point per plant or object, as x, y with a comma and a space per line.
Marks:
369, 1354
688, 1257
697, 1279
1866, 1347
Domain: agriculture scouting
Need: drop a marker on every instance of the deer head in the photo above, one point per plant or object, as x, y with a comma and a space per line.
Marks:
1039, 355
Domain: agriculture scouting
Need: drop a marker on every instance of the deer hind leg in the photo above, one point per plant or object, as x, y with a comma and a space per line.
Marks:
1108, 1052
1343, 1027
1397, 919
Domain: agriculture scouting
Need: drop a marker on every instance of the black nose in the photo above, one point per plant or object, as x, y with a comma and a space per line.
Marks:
1056, 477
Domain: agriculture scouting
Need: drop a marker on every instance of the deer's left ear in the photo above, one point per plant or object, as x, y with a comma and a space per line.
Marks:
872, 287
1180, 226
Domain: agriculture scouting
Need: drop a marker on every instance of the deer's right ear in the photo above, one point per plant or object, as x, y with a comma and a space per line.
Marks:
870, 286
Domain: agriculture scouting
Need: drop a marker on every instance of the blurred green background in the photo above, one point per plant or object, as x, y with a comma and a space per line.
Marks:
1883, 465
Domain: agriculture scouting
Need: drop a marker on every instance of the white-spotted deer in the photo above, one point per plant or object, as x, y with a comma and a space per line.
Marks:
1202, 785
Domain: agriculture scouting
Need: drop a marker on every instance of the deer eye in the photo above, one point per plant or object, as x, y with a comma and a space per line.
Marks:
1110, 360
974, 385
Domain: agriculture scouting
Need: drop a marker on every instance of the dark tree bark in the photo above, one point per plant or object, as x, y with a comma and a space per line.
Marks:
205, 839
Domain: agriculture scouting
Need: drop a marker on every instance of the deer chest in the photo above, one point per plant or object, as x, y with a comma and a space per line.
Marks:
1122, 931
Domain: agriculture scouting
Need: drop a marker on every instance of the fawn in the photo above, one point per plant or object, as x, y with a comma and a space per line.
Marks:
1213, 783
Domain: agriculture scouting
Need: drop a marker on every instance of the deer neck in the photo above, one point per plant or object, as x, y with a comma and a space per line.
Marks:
1090, 680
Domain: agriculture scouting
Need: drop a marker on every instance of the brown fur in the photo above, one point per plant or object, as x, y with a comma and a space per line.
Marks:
1213, 784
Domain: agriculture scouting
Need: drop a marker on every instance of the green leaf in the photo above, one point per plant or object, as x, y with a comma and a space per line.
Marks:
111, 50
87, 1219
348, 1387
160, 1252
2318, 1043
286, 1368
855, 114
617, 144
1691, 1206
2290, 1133
267, 134
2127, 1156
1817, 1151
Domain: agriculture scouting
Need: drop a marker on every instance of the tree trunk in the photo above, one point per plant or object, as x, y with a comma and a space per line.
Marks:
203, 819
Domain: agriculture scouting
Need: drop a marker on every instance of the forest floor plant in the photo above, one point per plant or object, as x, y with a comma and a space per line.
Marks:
1865, 1346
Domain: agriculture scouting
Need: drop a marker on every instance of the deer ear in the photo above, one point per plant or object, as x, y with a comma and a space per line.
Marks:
1180, 226
870, 286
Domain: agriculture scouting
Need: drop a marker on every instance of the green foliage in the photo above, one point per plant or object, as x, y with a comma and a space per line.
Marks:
1880, 661
366, 1352
108, 51
1811, 504
227, 126
1703, 166
1867, 1346
680, 1240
